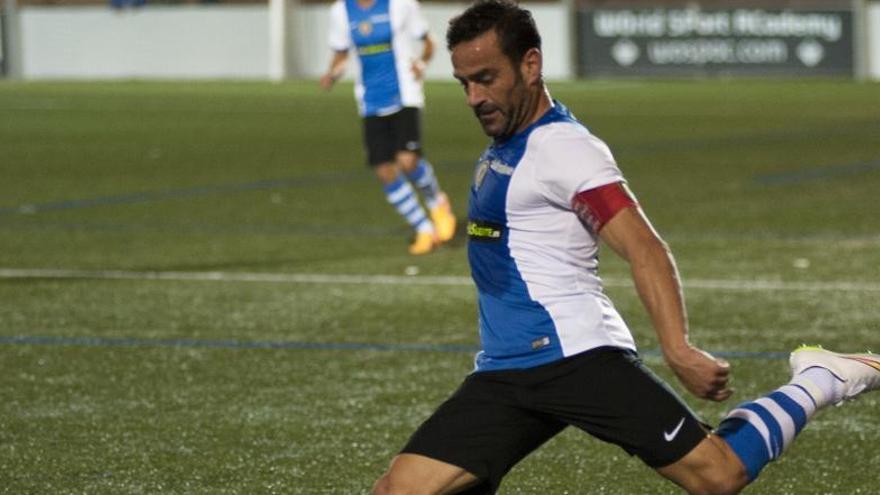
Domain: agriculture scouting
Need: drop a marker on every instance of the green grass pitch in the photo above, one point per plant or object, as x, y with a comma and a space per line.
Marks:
306, 360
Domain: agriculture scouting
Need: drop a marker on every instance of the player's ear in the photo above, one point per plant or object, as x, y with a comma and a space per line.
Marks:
532, 66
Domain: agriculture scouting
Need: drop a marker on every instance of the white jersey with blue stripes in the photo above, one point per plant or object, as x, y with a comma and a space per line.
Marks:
534, 262
382, 36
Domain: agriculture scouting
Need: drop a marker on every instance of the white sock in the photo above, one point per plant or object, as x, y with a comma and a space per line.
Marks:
821, 384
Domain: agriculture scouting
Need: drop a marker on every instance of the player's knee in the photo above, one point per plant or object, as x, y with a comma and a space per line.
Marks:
386, 172
711, 468
391, 485
718, 482
407, 161
382, 486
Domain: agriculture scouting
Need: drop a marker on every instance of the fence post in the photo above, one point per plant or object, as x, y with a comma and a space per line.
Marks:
278, 40
11, 40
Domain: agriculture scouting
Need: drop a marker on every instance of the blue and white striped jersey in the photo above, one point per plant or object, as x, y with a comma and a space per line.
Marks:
382, 36
534, 263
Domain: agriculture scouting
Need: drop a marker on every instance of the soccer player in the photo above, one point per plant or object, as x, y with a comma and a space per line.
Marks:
555, 352
389, 93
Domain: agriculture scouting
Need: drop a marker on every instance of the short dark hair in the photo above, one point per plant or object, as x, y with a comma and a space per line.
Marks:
513, 24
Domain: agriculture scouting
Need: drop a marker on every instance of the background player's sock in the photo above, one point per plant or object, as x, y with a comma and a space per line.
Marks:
402, 196
425, 180
760, 431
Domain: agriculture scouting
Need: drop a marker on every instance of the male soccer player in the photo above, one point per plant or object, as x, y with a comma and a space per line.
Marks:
389, 93
555, 352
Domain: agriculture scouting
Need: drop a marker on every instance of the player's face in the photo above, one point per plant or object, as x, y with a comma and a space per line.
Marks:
495, 89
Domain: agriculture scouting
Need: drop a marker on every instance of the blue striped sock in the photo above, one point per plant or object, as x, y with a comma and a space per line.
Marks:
402, 196
425, 180
761, 430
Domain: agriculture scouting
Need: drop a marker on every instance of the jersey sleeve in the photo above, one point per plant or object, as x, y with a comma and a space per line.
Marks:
416, 25
338, 36
573, 160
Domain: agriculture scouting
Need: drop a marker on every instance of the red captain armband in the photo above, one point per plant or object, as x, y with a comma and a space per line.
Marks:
596, 207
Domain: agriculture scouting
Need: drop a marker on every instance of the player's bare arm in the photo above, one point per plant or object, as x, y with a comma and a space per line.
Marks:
630, 235
420, 64
336, 69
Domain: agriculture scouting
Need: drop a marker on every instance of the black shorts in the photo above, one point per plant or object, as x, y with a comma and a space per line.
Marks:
385, 136
496, 418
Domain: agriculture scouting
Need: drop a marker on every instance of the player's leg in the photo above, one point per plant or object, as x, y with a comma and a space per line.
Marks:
761, 430
408, 136
413, 473
757, 432
711, 467
471, 441
438, 204
379, 139
421, 173
609, 393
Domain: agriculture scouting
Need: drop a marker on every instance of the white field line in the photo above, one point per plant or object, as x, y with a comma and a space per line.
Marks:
339, 279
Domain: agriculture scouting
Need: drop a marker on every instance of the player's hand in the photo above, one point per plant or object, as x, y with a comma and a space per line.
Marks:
418, 69
701, 373
327, 81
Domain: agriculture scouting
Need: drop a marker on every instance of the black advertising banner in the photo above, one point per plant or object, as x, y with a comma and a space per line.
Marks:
666, 41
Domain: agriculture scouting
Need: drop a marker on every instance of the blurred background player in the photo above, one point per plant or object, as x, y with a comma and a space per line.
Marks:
388, 90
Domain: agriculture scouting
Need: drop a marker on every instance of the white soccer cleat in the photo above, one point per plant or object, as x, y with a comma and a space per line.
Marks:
858, 372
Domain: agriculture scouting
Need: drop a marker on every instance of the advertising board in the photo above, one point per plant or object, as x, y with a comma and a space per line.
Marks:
618, 40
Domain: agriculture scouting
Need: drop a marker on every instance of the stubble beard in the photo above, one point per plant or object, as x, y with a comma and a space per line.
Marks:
514, 114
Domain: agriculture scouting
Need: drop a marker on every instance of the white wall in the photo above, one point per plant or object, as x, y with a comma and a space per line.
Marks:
218, 41
186, 41
873, 38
